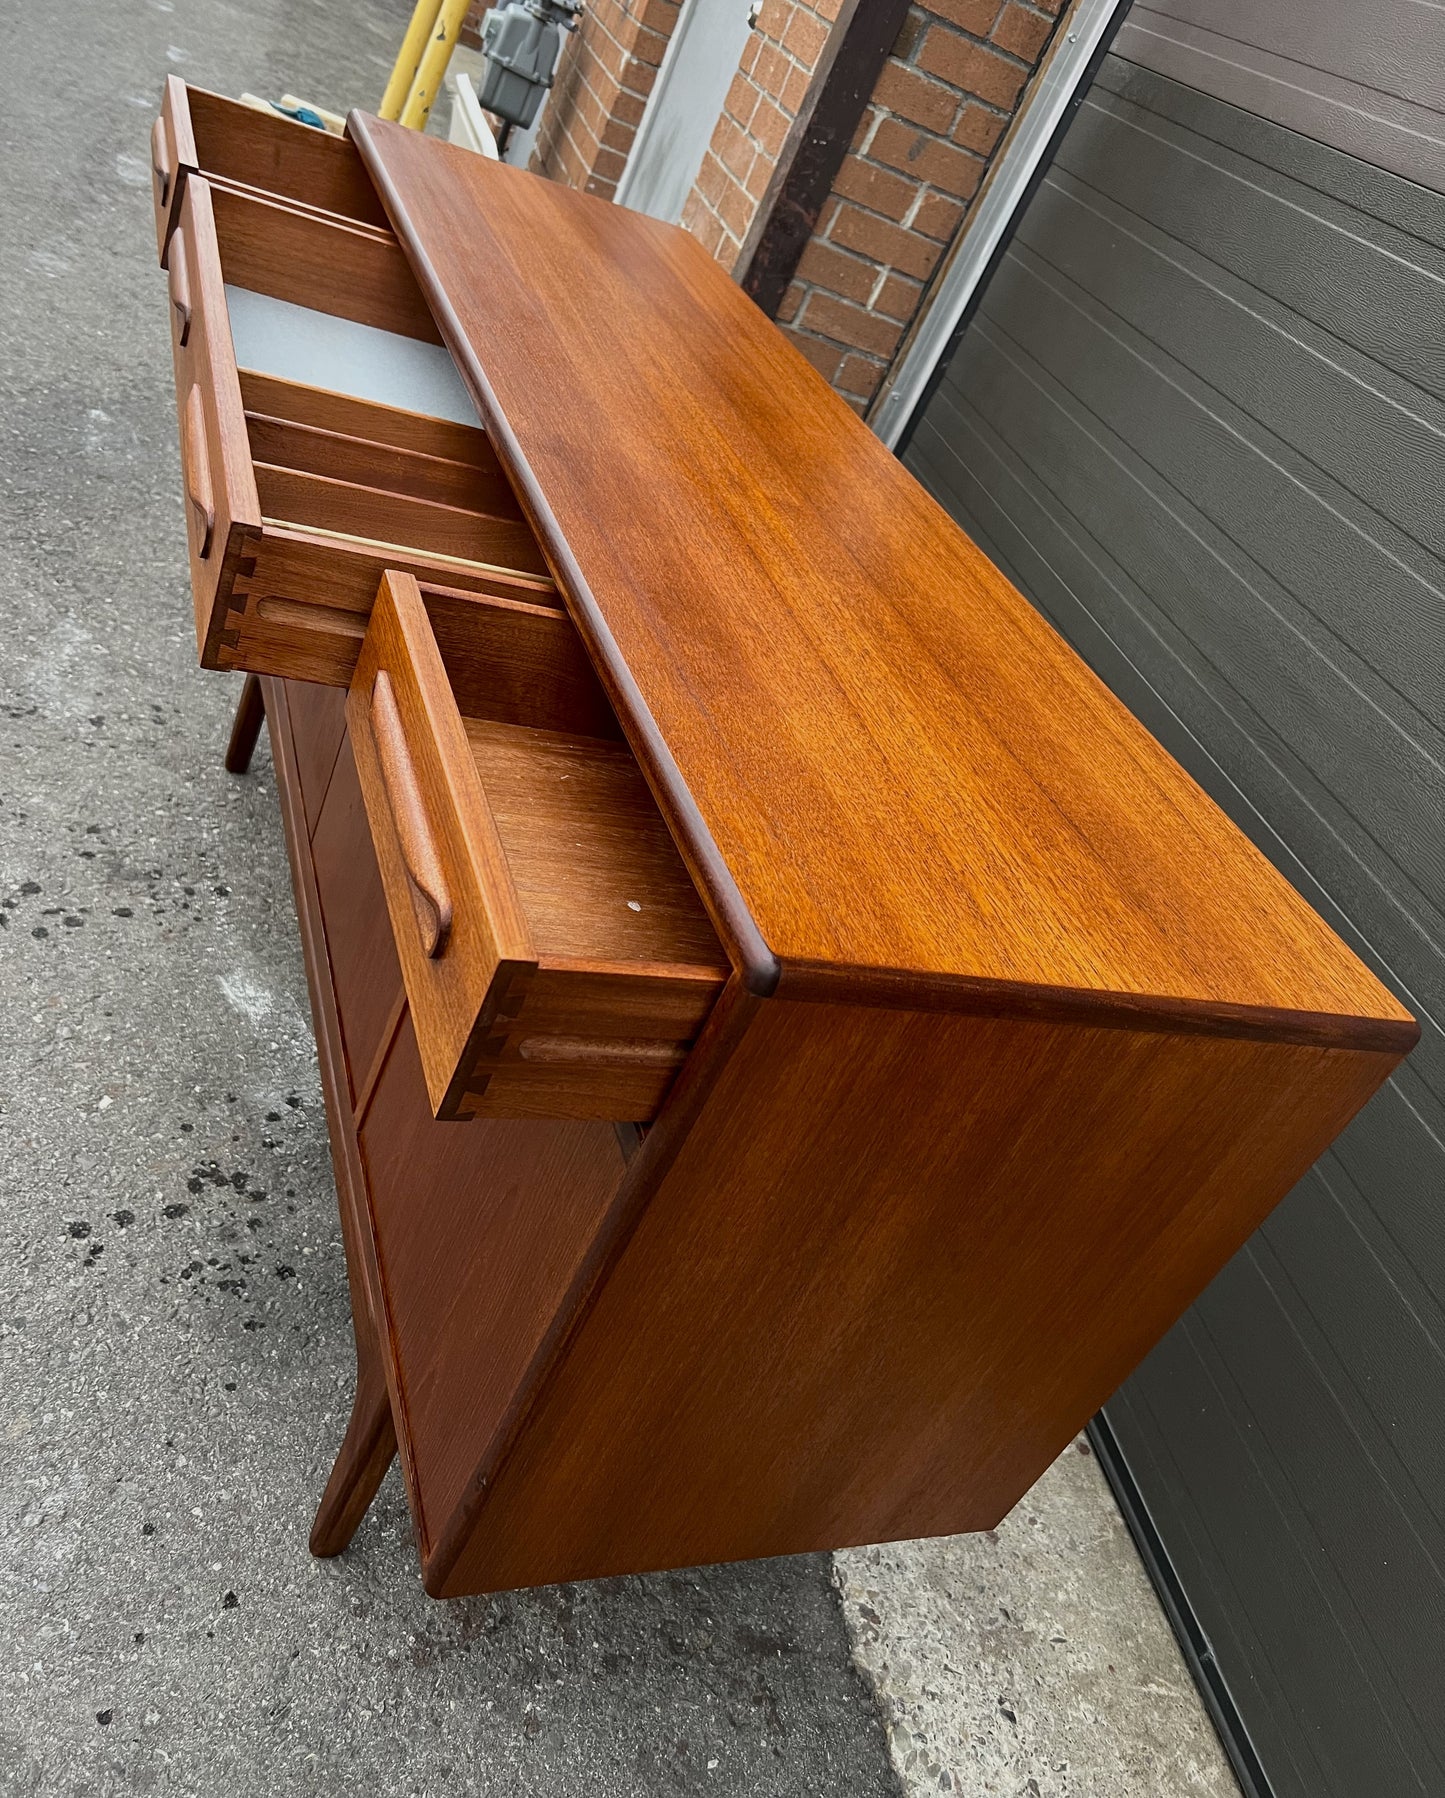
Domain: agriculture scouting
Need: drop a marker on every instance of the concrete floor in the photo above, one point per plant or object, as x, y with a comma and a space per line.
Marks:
174, 1346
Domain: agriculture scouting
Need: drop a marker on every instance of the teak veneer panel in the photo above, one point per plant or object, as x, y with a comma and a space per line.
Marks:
594, 867
884, 767
899, 1258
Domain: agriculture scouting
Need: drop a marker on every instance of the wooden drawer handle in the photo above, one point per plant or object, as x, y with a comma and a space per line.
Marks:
196, 470
603, 1052
430, 899
179, 278
160, 162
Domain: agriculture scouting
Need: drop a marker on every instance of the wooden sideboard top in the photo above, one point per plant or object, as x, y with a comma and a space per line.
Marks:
879, 760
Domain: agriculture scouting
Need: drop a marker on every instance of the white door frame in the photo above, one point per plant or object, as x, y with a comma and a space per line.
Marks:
668, 72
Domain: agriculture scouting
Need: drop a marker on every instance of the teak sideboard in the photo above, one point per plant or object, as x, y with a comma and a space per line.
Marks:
792, 1041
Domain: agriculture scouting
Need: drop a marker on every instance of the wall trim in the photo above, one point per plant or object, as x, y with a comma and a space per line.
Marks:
1079, 45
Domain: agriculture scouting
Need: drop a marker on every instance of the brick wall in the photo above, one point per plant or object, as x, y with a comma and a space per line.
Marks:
768, 90
939, 108
604, 75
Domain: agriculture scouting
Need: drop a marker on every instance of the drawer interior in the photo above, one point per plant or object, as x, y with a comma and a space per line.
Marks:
576, 963
598, 876
328, 435
319, 349
238, 145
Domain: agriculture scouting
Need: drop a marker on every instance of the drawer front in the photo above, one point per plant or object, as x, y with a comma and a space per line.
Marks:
556, 958
318, 725
364, 967
298, 499
223, 509
227, 142
466, 952
169, 152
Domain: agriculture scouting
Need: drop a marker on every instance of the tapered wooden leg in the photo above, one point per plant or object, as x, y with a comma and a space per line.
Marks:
250, 712
366, 1453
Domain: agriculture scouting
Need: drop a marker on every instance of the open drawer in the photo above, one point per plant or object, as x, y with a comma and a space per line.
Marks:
325, 437
236, 145
557, 958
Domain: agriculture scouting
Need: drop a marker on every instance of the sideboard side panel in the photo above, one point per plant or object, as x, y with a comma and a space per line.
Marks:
900, 1259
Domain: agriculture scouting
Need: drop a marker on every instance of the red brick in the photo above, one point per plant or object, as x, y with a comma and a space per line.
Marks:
603, 53
898, 298
909, 33
917, 98
583, 138
735, 210
970, 67
602, 15
869, 235
609, 164
792, 299
629, 109
858, 378
866, 126
735, 149
794, 90
938, 217
837, 271
825, 357
742, 100
709, 232
1022, 32
880, 190
618, 136
750, 53
770, 127
979, 129
771, 69
657, 15
854, 326
976, 16
756, 184
640, 78
694, 211
774, 18
648, 46
805, 38
927, 159
600, 189
712, 177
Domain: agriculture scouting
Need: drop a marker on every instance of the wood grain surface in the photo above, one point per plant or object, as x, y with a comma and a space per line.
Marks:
206, 133
556, 956
479, 1231
883, 766
898, 1261
320, 407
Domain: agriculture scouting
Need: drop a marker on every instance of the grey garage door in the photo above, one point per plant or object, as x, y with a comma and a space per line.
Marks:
1199, 418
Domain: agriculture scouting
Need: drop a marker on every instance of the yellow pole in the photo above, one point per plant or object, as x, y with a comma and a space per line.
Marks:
438, 53
408, 58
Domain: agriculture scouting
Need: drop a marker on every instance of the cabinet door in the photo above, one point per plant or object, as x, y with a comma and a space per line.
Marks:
481, 1233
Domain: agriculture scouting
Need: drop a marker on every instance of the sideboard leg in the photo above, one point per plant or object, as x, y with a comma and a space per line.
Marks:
250, 713
366, 1453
